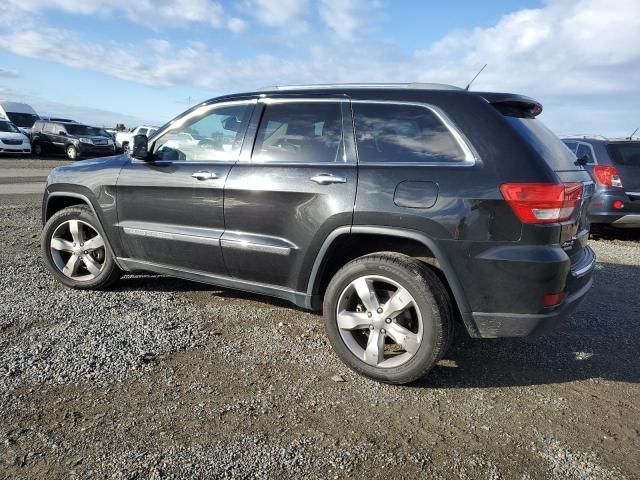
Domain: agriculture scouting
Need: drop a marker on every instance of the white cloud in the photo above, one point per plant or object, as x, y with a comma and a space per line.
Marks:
346, 17
151, 13
277, 13
8, 73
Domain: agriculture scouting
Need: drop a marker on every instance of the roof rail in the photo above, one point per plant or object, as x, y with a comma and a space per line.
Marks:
415, 85
585, 136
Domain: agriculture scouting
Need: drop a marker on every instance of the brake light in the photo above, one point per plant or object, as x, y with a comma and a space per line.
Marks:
607, 176
542, 202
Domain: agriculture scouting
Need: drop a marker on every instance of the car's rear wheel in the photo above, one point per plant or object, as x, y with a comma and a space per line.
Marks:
72, 153
36, 149
75, 250
388, 317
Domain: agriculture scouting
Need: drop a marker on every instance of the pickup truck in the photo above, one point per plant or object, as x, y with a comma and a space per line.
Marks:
124, 138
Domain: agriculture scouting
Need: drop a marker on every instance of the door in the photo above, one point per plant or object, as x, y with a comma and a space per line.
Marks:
53, 140
170, 210
294, 186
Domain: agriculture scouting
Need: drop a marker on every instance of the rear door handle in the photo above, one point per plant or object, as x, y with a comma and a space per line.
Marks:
205, 175
327, 178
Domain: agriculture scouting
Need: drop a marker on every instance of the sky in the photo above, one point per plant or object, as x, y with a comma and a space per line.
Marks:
147, 60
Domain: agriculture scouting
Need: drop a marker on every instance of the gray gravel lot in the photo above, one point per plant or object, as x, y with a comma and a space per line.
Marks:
163, 378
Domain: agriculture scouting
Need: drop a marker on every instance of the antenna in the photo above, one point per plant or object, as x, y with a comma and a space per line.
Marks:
474, 78
634, 132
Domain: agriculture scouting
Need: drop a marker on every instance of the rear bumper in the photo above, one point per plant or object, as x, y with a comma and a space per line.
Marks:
601, 210
579, 281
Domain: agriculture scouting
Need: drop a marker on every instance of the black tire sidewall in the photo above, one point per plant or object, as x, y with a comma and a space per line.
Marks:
76, 213
427, 292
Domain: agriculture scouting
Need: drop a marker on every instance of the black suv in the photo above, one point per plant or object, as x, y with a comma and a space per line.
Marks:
396, 209
615, 166
72, 138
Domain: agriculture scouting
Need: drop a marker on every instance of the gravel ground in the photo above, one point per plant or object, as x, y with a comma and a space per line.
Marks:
163, 378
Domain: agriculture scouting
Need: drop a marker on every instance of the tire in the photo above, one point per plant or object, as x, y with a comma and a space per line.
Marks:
60, 246
72, 153
36, 149
425, 325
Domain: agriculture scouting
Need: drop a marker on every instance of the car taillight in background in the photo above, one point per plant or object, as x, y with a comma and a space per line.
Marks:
607, 176
542, 202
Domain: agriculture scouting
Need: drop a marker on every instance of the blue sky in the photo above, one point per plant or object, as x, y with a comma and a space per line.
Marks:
142, 60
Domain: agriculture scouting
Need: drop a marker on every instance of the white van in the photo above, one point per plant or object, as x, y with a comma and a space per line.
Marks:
20, 114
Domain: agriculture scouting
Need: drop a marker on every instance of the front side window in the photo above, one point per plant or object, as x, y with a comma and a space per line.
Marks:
142, 131
52, 128
302, 132
388, 133
209, 133
585, 151
8, 127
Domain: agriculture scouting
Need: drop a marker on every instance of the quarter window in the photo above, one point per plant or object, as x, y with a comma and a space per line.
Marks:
388, 133
305, 132
214, 133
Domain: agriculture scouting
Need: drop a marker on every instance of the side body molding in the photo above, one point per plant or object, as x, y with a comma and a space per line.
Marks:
449, 272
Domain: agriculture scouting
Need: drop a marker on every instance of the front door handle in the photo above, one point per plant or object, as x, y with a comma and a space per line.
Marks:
327, 178
204, 175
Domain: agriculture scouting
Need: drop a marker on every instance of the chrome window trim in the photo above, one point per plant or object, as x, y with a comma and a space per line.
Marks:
275, 100
470, 157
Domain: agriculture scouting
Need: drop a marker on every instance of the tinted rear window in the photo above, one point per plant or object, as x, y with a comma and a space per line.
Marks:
388, 133
545, 142
627, 153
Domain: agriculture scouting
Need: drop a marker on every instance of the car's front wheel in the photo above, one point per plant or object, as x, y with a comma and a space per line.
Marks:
388, 317
75, 250
72, 153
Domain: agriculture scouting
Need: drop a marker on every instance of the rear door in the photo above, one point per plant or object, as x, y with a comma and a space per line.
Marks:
292, 187
170, 210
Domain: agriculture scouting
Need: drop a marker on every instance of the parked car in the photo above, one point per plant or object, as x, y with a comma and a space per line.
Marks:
74, 139
57, 119
123, 139
614, 164
396, 210
20, 114
12, 140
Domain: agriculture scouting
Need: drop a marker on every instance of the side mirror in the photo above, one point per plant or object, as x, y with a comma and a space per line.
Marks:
140, 147
231, 123
64, 134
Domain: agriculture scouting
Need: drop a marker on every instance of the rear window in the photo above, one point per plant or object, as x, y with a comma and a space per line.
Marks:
627, 153
545, 142
388, 133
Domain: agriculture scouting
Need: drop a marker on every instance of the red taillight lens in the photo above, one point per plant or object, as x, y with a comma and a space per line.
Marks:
542, 202
552, 299
607, 176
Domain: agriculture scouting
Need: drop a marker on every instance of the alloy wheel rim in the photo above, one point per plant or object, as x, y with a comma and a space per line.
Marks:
71, 152
78, 250
379, 321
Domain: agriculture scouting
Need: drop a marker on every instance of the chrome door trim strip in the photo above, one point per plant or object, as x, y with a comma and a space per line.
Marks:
171, 236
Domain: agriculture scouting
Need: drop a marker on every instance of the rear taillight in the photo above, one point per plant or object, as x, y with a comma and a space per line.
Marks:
607, 176
542, 202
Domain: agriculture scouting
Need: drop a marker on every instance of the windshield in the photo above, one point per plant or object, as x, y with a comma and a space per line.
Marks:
24, 120
545, 142
78, 129
627, 153
8, 127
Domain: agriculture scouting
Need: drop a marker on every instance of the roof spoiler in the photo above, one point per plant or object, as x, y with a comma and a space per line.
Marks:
514, 105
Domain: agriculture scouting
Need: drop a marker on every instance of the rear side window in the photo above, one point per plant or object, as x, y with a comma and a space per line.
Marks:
51, 128
585, 151
627, 153
545, 142
304, 132
392, 133
142, 131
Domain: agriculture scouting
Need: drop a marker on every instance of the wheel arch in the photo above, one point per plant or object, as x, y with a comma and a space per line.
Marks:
56, 201
407, 242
